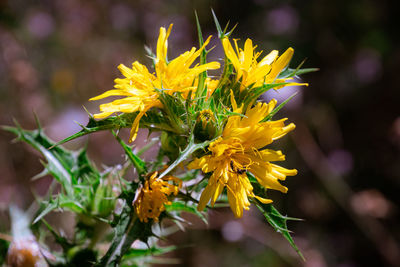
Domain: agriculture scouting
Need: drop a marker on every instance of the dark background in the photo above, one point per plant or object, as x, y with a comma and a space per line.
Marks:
56, 54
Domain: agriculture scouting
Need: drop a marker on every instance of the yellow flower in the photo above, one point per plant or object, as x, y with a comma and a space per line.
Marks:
138, 86
153, 196
241, 150
256, 73
206, 116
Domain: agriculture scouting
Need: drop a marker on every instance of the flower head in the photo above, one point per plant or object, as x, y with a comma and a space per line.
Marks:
251, 72
26, 252
239, 150
205, 117
139, 87
153, 196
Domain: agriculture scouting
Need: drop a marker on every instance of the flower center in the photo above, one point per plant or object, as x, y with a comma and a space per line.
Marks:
237, 168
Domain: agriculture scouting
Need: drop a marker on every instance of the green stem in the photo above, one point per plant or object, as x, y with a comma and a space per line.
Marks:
126, 232
190, 148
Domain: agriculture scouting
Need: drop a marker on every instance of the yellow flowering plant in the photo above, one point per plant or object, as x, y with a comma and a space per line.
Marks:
214, 136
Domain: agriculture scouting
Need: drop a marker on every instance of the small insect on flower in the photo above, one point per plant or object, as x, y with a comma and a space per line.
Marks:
153, 196
241, 149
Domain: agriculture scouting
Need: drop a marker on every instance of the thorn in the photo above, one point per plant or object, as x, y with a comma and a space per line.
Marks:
17, 124
37, 121
90, 114
82, 126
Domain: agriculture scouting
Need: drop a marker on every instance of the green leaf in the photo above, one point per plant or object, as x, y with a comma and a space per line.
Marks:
61, 201
83, 192
135, 254
62, 241
147, 257
147, 146
274, 218
72, 169
123, 238
178, 206
153, 120
254, 93
139, 164
50, 207
84, 167
289, 72
190, 148
103, 201
220, 32
93, 126
202, 76
128, 229
59, 160
275, 110
279, 223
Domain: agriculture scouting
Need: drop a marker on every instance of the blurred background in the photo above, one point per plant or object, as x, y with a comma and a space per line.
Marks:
55, 55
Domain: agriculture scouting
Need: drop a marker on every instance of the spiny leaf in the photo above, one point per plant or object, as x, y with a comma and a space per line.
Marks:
275, 110
84, 165
152, 251
304, 71
128, 229
278, 222
147, 146
59, 160
139, 164
254, 93
153, 120
123, 239
147, 257
62, 241
61, 201
95, 126
220, 32
202, 76
190, 148
50, 207
181, 206
102, 201
289, 72
274, 218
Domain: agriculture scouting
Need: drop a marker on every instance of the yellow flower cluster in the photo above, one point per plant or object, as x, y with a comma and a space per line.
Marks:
140, 86
251, 72
153, 196
241, 150
242, 137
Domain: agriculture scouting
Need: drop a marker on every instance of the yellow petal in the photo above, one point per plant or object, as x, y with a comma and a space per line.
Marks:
108, 93
263, 200
135, 125
248, 54
281, 63
269, 59
127, 72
